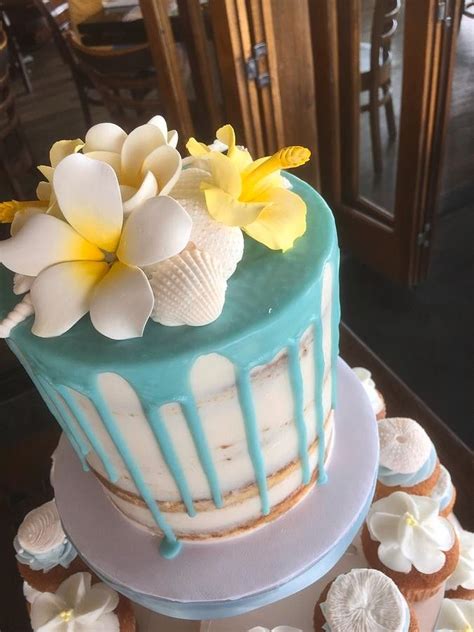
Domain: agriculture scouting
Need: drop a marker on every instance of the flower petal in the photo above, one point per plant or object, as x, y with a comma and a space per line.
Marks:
197, 149
112, 158
228, 210
392, 557
226, 135
63, 148
22, 217
160, 123
165, 164
43, 241
45, 608
225, 174
43, 191
73, 589
384, 527
89, 196
105, 137
61, 295
139, 143
100, 599
46, 171
122, 303
147, 190
157, 230
172, 138
281, 222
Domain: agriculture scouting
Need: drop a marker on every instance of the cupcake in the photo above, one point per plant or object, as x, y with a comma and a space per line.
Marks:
408, 459
78, 605
376, 398
405, 537
363, 599
444, 492
460, 585
455, 615
44, 554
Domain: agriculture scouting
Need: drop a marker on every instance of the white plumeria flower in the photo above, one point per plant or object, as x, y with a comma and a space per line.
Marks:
76, 607
146, 161
456, 615
411, 533
92, 261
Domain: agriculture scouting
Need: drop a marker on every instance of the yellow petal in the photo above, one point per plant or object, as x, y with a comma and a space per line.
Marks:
281, 222
226, 135
197, 149
225, 174
8, 210
228, 210
241, 158
63, 148
43, 191
47, 171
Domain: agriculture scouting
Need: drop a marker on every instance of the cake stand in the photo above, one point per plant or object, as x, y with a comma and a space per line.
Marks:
230, 577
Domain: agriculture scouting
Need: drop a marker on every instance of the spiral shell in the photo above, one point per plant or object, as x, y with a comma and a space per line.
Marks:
364, 599
189, 288
19, 313
224, 243
41, 530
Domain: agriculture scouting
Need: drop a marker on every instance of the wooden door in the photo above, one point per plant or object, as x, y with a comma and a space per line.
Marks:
385, 219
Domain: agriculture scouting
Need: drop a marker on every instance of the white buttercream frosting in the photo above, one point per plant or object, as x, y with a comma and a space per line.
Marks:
404, 445
76, 607
455, 615
368, 383
411, 533
463, 576
365, 600
443, 490
30, 593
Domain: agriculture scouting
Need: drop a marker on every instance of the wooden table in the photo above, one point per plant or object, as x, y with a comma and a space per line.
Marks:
24, 467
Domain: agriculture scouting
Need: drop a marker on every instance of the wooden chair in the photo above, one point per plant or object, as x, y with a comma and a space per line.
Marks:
375, 74
125, 78
57, 15
15, 156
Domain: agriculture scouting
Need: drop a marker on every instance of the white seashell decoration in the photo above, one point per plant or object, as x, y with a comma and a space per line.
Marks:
41, 530
189, 288
224, 243
22, 283
19, 313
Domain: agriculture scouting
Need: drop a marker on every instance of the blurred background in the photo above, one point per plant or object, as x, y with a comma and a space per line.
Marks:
381, 90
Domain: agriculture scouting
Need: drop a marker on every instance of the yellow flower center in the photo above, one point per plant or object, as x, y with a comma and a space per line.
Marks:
410, 520
66, 615
286, 158
8, 210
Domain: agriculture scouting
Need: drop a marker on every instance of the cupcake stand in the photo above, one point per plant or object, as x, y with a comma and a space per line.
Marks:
265, 578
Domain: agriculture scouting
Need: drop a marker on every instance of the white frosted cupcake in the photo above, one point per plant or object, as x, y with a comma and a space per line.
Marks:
405, 537
375, 396
460, 585
363, 599
455, 615
444, 492
44, 554
408, 460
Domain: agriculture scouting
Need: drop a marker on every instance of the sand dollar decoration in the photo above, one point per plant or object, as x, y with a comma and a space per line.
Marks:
404, 445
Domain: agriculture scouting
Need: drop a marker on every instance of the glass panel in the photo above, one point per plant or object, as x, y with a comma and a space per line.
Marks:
381, 66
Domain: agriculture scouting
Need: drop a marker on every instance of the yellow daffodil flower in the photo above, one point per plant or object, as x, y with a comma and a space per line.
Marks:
252, 193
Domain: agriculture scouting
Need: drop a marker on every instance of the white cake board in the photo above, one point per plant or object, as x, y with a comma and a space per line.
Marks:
230, 577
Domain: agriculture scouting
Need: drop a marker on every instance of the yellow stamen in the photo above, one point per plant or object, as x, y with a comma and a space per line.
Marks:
8, 210
410, 520
66, 615
286, 158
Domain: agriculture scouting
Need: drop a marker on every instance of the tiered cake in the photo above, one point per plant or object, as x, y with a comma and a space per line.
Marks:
215, 416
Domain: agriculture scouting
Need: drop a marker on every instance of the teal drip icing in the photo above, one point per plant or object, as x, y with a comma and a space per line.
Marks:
244, 387
191, 414
335, 318
84, 424
297, 386
170, 457
124, 451
319, 366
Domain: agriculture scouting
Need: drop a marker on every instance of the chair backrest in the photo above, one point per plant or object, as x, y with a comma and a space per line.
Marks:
125, 78
384, 25
83, 9
56, 13
8, 117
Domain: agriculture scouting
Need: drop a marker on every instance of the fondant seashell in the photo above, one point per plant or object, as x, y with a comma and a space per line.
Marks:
19, 313
224, 243
189, 288
41, 530
22, 283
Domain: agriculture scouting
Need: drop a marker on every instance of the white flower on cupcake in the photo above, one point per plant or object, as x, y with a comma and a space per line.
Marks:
92, 261
456, 615
76, 607
411, 533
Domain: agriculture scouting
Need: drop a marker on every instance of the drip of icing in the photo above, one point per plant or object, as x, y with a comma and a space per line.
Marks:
335, 319
170, 548
294, 368
190, 411
253, 441
318, 389
84, 424
170, 457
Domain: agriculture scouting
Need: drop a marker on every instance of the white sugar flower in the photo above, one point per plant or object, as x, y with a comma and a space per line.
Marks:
92, 261
76, 607
411, 533
455, 615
